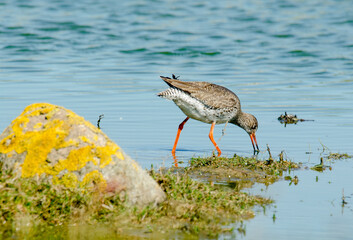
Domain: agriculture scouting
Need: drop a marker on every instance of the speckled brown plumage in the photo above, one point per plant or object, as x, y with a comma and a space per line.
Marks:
209, 103
212, 95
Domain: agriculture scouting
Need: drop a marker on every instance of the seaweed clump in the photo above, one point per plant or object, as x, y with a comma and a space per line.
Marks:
290, 119
35, 208
240, 171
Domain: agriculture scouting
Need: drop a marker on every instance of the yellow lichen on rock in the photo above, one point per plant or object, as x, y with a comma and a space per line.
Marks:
13, 141
91, 179
38, 125
51, 134
37, 109
55, 143
38, 146
105, 153
69, 180
77, 159
94, 178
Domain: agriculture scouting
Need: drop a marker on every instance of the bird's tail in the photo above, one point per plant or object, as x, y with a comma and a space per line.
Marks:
170, 93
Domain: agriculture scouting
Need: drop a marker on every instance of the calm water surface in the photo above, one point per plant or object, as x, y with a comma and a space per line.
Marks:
105, 57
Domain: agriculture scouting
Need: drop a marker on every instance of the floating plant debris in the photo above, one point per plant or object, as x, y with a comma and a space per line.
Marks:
290, 119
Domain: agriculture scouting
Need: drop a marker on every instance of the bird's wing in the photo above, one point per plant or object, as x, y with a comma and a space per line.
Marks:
210, 94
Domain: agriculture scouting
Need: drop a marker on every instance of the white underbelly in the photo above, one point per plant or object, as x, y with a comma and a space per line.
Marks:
195, 109
198, 111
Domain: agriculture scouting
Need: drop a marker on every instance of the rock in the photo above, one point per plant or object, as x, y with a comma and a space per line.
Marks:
51, 141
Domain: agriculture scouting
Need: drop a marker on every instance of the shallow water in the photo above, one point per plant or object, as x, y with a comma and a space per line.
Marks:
312, 209
105, 57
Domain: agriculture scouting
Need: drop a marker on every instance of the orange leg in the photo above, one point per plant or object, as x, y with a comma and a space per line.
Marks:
175, 160
212, 140
181, 126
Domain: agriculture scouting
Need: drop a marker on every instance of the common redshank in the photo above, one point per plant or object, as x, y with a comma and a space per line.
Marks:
209, 103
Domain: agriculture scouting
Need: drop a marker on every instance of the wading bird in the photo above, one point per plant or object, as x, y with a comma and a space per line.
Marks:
209, 103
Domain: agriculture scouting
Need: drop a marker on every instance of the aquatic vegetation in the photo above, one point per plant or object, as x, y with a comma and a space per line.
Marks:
203, 200
331, 156
290, 119
320, 167
193, 207
241, 169
337, 156
291, 180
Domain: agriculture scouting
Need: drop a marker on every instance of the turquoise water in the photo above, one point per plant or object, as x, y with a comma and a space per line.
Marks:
105, 57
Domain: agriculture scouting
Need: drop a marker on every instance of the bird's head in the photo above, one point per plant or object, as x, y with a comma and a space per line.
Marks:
249, 123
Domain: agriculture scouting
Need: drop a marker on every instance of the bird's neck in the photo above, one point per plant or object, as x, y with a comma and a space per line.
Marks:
241, 119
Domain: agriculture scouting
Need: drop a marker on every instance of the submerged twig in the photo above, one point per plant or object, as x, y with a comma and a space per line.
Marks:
343, 198
281, 155
223, 132
269, 152
99, 120
270, 159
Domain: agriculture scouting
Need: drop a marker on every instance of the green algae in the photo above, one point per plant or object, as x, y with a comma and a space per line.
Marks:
337, 156
240, 171
330, 157
320, 167
195, 206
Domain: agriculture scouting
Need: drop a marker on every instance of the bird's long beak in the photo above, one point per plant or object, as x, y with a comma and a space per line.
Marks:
254, 142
